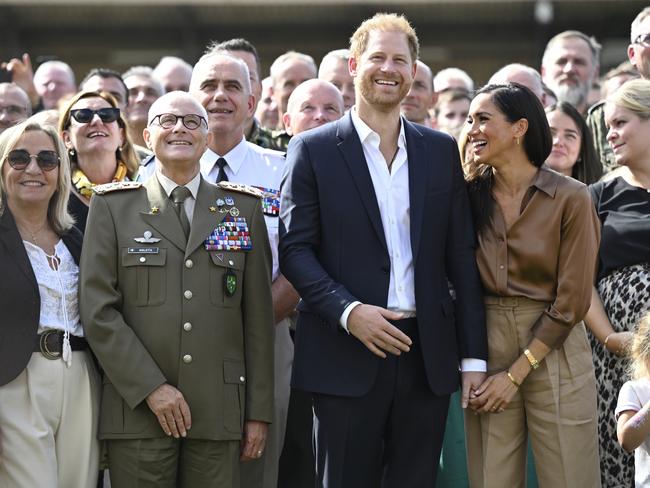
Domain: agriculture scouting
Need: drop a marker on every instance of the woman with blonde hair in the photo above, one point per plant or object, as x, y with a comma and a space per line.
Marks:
49, 386
94, 132
622, 294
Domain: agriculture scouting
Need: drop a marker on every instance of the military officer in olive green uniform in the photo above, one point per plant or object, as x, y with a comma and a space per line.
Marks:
176, 301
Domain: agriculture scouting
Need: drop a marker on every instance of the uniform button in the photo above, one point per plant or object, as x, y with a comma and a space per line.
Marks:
231, 262
189, 263
187, 294
242, 379
187, 359
502, 267
385, 269
143, 259
187, 326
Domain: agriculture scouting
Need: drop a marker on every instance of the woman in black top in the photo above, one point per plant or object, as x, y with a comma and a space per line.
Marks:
622, 294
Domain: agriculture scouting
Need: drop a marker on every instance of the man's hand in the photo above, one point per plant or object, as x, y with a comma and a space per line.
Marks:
254, 440
471, 381
370, 325
22, 74
171, 409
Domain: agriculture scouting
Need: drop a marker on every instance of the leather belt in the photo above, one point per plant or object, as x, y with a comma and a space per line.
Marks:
50, 343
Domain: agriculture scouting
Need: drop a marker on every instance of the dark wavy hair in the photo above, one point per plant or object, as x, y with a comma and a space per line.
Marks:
515, 102
587, 168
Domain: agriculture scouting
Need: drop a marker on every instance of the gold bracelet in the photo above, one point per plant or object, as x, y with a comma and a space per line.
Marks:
514, 381
531, 359
607, 339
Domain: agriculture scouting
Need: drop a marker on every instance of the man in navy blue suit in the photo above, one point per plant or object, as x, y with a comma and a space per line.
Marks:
374, 219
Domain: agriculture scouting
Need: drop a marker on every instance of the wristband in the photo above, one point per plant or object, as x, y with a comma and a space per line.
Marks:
531, 359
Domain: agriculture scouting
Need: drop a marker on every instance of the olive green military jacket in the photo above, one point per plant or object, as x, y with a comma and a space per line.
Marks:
157, 310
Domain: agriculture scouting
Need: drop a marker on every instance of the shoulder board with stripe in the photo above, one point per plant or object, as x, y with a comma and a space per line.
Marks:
240, 188
116, 186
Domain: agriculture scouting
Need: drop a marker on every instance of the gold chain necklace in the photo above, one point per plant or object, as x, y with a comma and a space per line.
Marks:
33, 234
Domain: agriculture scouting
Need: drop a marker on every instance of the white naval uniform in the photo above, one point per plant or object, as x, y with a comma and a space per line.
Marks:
253, 165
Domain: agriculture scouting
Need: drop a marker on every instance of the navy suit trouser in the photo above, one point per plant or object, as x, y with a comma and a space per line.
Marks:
390, 437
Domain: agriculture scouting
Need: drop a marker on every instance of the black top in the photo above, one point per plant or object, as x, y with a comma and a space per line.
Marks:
624, 212
79, 211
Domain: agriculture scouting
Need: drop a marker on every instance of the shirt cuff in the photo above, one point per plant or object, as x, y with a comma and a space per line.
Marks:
346, 313
470, 364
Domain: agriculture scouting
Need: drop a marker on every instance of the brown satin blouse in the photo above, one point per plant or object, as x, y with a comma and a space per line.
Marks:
549, 254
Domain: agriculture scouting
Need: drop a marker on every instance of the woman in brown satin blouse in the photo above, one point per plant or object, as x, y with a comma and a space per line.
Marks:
538, 239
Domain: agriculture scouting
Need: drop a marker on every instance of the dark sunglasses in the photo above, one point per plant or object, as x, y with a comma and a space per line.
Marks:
168, 121
19, 159
85, 115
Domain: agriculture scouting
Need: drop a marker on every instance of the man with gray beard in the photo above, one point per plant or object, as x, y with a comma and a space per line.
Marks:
570, 65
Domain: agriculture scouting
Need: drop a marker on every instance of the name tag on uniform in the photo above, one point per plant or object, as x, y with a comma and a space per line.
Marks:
143, 250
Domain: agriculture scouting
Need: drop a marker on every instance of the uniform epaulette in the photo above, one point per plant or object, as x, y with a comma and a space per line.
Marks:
115, 186
241, 188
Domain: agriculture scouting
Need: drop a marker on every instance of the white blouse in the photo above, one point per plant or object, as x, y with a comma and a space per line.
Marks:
58, 288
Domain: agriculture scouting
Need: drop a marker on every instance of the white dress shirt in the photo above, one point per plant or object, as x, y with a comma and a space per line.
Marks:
193, 186
392, 193
251, 165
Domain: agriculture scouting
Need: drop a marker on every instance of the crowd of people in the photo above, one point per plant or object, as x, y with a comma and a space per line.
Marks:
331, 276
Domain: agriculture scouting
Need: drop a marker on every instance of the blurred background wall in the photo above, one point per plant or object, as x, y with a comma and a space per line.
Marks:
477, 35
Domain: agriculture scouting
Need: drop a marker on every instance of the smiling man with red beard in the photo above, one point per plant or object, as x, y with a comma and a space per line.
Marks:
176, 303
374, 219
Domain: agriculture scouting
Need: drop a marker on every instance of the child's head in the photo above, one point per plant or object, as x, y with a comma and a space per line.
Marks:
640, 351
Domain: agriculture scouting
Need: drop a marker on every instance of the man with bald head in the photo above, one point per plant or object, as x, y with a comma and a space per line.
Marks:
14, 105
173, 73
54, 80
312, 104
522, 74
452, 79
287, 72
221, 83
421, 97
334, 68
186, 399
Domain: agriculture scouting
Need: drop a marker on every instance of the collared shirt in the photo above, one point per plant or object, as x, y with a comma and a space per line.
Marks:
392, 193
548, 254
251, 165
168, 185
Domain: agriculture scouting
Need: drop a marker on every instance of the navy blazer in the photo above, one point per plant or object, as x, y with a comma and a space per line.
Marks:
20, 301
333, 251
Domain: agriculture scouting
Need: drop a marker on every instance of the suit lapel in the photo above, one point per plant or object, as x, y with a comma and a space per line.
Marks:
10, 236
352, 151
203, 223
418, 177
164, 220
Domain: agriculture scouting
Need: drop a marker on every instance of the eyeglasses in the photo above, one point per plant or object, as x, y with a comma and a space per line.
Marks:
85, 115
19, 159
190, 121
643, 39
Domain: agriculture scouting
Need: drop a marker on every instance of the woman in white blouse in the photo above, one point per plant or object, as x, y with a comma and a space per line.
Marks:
49, 386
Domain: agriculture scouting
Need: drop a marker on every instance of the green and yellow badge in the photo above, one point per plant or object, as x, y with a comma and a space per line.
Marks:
230, 282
